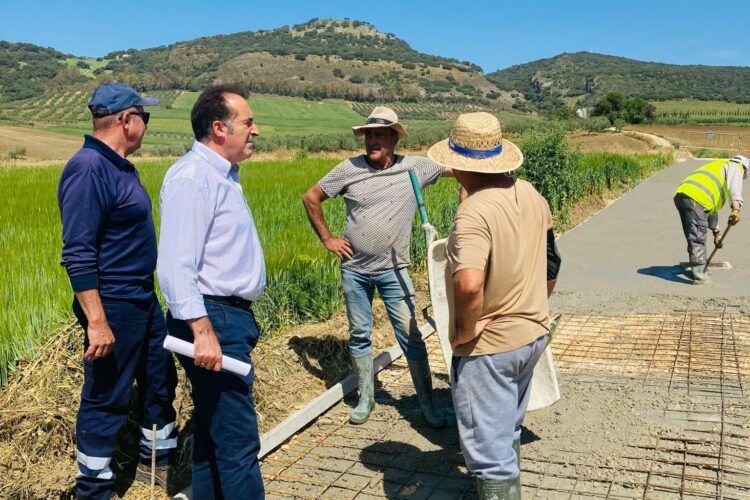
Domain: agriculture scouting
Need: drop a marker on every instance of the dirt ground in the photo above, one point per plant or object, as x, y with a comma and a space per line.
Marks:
694, 136
40, 146
38, 405
608, 143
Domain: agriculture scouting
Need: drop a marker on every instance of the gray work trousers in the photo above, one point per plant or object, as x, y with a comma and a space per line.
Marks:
490, 395
695, 223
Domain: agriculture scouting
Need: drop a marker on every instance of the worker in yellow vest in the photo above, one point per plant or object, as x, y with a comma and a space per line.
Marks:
698, 200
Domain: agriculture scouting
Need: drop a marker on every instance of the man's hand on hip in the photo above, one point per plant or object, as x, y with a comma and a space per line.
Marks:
101, 340
340, 247
207, 348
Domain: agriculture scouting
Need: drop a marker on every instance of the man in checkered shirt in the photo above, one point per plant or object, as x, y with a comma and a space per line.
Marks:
374, 250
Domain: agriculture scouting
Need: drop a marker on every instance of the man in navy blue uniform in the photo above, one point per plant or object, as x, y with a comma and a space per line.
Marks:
109, 253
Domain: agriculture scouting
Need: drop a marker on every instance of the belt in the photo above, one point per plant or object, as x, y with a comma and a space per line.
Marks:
230, 301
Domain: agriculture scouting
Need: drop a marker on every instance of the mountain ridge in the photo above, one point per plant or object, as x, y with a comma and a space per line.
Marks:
353, 60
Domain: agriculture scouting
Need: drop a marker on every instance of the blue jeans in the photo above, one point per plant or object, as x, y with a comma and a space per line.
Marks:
397, 292
490, 394
226, 441
137, 354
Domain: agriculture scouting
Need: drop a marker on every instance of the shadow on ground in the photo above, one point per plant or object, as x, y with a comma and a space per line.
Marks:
674, 273
326, 358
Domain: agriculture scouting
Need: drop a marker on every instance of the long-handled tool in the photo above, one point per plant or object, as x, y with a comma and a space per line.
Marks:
721, 244
429, 230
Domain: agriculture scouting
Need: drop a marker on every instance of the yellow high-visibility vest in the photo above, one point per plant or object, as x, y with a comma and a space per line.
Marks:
707, 186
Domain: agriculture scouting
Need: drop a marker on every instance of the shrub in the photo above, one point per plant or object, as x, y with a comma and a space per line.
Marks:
18, 153
549, 163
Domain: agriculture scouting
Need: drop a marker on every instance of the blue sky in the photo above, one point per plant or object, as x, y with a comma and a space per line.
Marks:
493, 34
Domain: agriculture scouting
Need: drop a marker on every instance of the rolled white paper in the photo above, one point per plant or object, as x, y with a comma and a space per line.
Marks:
187, 349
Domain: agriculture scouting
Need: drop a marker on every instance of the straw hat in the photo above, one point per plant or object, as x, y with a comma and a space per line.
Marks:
382, 117
476, 145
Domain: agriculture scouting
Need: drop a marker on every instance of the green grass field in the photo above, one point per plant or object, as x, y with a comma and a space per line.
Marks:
285, 122
303, 283
66, 113
302, 275
93, 63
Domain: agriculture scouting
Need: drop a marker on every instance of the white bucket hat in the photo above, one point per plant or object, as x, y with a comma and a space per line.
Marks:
382, 117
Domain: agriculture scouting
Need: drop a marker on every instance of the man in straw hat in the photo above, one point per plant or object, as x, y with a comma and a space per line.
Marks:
374, 250
504, 261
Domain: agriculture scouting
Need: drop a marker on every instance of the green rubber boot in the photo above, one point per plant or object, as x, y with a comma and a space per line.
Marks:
700, 277
420, 375
363, 369
508, 489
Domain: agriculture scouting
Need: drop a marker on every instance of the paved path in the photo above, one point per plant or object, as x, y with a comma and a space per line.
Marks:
630, 253
653, 407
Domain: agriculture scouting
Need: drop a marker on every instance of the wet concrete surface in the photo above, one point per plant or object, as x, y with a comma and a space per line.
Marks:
627, 258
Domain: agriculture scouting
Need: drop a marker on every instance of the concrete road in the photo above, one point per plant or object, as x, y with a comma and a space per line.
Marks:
627, 257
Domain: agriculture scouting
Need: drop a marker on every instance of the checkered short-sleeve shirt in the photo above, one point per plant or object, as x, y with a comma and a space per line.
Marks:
380, 207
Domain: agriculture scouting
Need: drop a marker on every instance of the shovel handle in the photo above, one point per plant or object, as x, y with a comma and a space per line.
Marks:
721, 243
418, 196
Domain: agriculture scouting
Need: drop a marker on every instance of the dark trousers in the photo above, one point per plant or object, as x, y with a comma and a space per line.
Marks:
137, 354
226, 441
694, 226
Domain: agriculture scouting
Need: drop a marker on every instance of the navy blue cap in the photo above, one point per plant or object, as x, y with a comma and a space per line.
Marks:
112, 97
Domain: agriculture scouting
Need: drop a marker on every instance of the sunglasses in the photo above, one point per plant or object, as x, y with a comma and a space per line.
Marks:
143, 114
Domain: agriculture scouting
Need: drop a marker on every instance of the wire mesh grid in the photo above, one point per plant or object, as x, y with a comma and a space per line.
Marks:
702, 362
698, 362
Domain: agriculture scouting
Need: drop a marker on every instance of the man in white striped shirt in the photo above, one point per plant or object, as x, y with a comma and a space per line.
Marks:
211, 268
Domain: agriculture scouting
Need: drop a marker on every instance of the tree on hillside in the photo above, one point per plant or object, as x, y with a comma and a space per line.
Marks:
615, 106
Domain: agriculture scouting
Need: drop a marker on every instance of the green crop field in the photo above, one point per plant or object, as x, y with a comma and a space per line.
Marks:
302, 275
285, 122
66, 113
303, 282
92, 62
690, 111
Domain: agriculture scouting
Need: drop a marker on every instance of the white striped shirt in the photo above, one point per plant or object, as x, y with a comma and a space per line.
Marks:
208, 241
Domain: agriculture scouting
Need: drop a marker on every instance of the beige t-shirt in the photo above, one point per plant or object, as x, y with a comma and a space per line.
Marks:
503, 232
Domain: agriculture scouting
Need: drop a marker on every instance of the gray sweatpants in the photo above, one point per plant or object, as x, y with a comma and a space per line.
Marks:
490, 394
695, 224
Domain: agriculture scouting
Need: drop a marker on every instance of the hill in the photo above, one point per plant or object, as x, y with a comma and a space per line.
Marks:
318, 59
26, 70
576, 79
